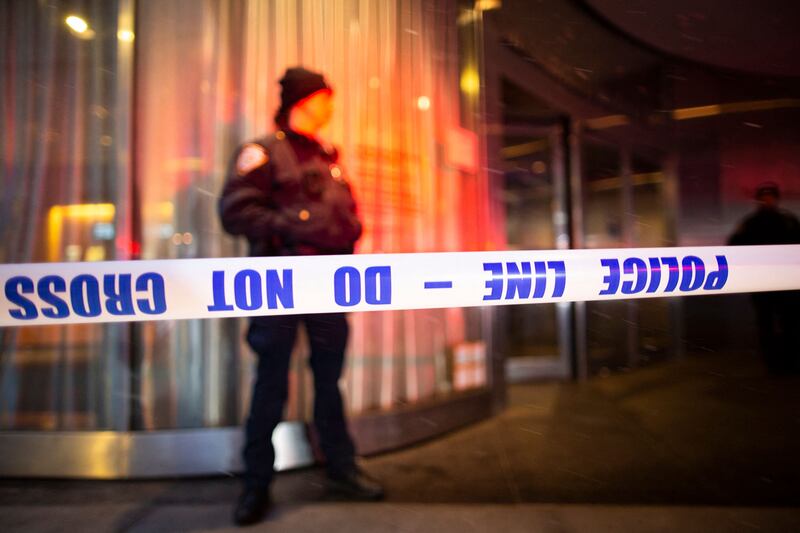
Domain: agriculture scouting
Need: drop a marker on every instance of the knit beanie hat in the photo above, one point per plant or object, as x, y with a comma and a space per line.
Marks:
298, 83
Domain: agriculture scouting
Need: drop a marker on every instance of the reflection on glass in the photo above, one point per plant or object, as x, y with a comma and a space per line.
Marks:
623, 334
606, 322
63, 199
528, 192
650, 220
205, 81
653, 320
603, 209
88, 230
395, 73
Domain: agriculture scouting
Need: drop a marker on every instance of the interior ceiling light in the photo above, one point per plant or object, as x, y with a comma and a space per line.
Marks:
77, 24
486, 5
470, 81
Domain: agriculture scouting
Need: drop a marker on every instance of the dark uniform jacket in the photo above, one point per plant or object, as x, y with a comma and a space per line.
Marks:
288, 196
767, 226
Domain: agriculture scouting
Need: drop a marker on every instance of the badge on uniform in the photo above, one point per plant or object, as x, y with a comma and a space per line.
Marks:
250, 158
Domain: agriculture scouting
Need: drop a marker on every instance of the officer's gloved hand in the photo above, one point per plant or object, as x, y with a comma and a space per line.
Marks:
323, 226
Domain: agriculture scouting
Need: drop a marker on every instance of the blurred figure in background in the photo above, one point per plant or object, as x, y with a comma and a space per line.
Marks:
287, 195
777, 313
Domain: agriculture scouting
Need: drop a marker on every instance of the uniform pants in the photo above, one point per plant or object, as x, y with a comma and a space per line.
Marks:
272, 338
778, 319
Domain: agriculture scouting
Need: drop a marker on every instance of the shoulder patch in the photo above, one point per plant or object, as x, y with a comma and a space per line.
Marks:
250, 158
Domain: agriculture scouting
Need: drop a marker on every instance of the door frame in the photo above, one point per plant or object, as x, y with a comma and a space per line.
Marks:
503, 61
558, 365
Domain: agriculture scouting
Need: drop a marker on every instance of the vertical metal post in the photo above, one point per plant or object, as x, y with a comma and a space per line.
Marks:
579, 349
629, 238
561, 234
561, 204
671, 198
489, 132
628, 216
136, 350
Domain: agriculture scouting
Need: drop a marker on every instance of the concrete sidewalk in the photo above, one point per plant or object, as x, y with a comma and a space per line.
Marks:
706, 443
407, 518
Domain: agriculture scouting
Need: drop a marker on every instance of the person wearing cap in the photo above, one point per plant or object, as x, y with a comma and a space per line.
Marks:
769, 224
287, 195
777, 313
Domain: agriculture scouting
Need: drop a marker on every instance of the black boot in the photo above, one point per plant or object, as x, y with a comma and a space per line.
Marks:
355, 484
251, 507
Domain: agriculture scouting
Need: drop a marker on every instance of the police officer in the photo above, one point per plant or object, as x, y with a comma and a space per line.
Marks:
287, 195
777, 313
769, 224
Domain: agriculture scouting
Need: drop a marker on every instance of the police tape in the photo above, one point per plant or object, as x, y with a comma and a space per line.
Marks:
117, 291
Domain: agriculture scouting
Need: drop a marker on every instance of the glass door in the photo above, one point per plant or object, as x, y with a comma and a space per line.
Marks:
624, 204
534, 200
604, 219
654, 339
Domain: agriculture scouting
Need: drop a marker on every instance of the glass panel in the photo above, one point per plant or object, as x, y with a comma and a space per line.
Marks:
189, 117
603, 195
650, 230
606, 322
650, 211
395, 70
528, 200
65, 119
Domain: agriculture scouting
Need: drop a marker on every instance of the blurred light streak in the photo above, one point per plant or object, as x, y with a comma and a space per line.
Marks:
519, 150
609, 121
615, 182
486, 5
686, 113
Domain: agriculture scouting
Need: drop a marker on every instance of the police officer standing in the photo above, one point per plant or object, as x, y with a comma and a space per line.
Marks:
777, 313
286, 194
